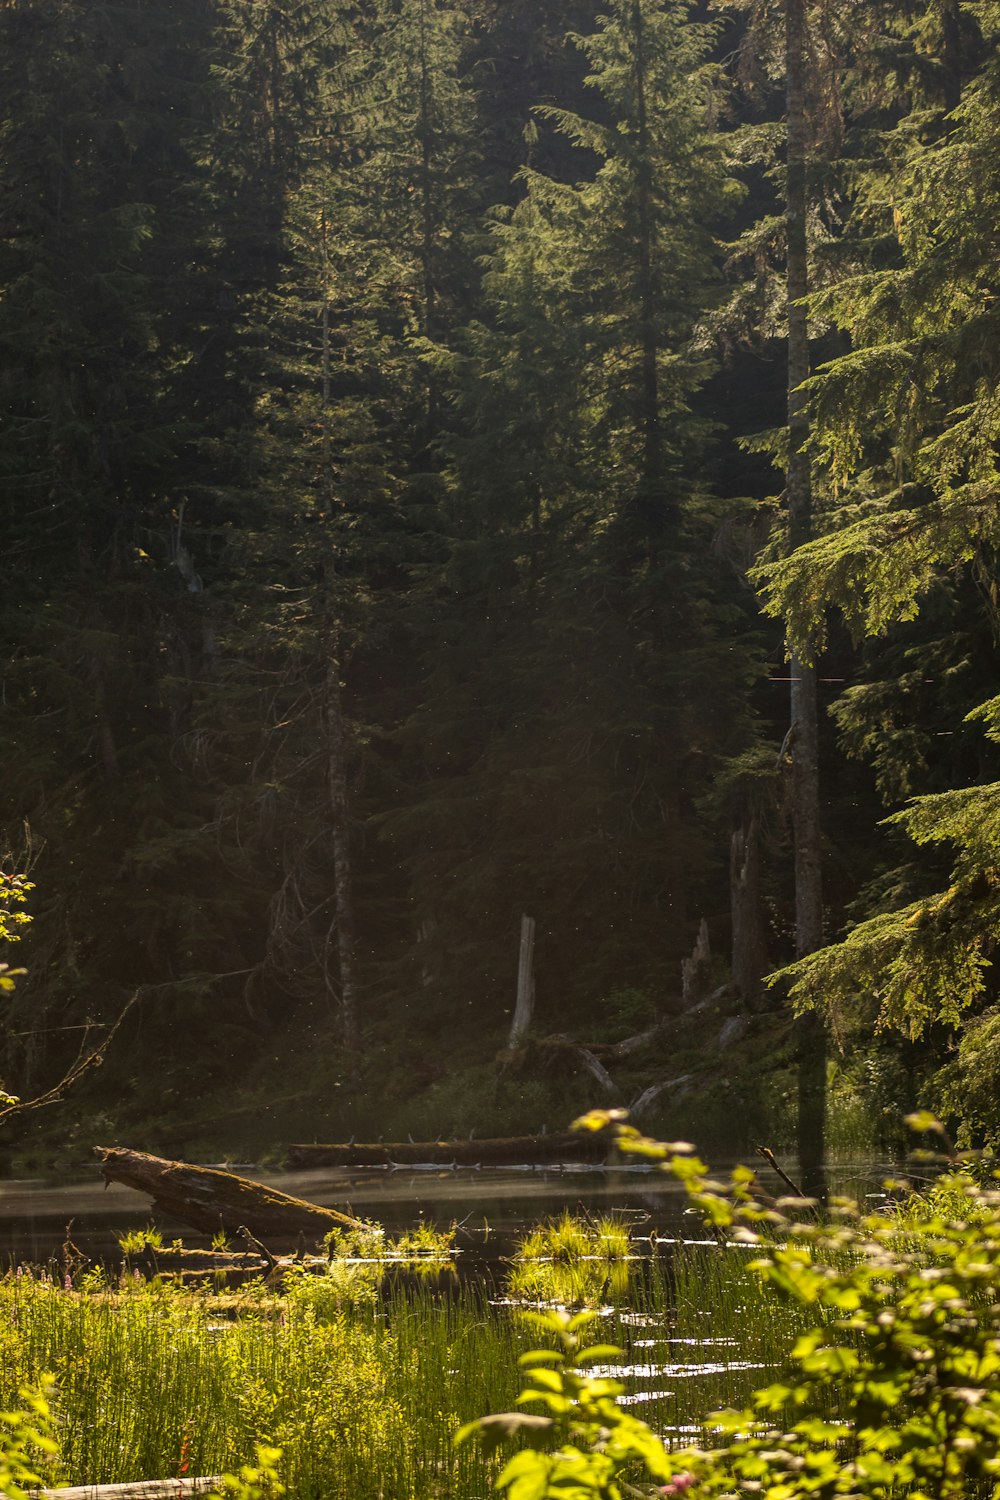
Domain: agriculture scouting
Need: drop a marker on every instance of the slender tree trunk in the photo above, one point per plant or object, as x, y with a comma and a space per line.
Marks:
343, 877
326, 435
343, 883
525, 1008
425, 135
650, 397
804, 735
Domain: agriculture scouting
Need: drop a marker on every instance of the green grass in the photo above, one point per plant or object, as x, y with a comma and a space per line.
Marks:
573, 1261
361, 1381
362, 1399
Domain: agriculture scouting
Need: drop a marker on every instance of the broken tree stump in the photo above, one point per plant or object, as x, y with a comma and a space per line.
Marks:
209, 1199
696, 971
525, 1008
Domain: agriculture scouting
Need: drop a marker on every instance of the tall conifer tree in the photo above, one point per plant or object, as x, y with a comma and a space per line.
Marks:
575, 524
903, 421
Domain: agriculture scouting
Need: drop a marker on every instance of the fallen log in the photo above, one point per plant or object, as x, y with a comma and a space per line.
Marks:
209, 1199
141, 1489
500, 1151
177, 1260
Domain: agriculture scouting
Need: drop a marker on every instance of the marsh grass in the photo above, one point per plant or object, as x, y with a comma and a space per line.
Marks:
697, 1332
572, 1261
154, 1381
362, 1379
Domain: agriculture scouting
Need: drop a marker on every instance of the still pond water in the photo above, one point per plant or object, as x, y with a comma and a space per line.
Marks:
491, 1205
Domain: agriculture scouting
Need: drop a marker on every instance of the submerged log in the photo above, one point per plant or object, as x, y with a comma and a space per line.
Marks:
180, 1261
209, 1199
501, 1151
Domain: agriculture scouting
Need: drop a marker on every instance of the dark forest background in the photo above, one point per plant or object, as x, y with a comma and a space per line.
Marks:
393, 449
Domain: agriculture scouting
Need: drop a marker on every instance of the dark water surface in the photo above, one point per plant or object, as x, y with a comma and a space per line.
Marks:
491, 1204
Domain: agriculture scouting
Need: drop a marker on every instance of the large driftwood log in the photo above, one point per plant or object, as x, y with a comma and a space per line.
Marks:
209, 1199
503, 1151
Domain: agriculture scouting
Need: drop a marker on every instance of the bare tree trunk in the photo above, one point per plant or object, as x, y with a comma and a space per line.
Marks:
749, 961
696, 971
342, 872
651, 460
425, 135
525, 1008
804, 736
343, 880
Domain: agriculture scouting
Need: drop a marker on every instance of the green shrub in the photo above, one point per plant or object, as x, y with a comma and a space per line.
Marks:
892, 1388
28, 1451
573, 1260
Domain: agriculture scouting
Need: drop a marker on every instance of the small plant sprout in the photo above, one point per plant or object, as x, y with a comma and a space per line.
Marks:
135, 1241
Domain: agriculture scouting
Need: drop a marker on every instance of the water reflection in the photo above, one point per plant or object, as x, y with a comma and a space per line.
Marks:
491, 1204
496, 1202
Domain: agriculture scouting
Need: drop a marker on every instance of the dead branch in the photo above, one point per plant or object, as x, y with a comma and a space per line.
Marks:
771, 1159
85, 1062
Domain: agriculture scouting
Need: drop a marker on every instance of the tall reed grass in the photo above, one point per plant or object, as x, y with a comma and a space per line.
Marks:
154, 1382
362, 1381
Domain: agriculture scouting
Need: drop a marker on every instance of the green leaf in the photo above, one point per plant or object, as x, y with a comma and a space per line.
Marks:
604, 1352
493, 1430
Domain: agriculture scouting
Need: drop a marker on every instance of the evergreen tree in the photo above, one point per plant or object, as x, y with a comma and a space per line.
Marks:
561, 777
99, 108
904, 422
370, 272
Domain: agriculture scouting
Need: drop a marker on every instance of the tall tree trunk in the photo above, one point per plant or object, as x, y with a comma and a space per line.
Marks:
650, 396
425, 133
343, 883
811, 1040
343, 877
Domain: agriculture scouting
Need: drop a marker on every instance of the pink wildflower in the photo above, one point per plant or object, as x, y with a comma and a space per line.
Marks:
677, 1485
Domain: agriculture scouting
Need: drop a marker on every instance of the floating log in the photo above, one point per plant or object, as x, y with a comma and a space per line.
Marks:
501, 1151
141, 1489
209, 1199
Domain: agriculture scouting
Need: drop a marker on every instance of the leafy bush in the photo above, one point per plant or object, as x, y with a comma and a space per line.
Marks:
28, 1450
894, 1389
